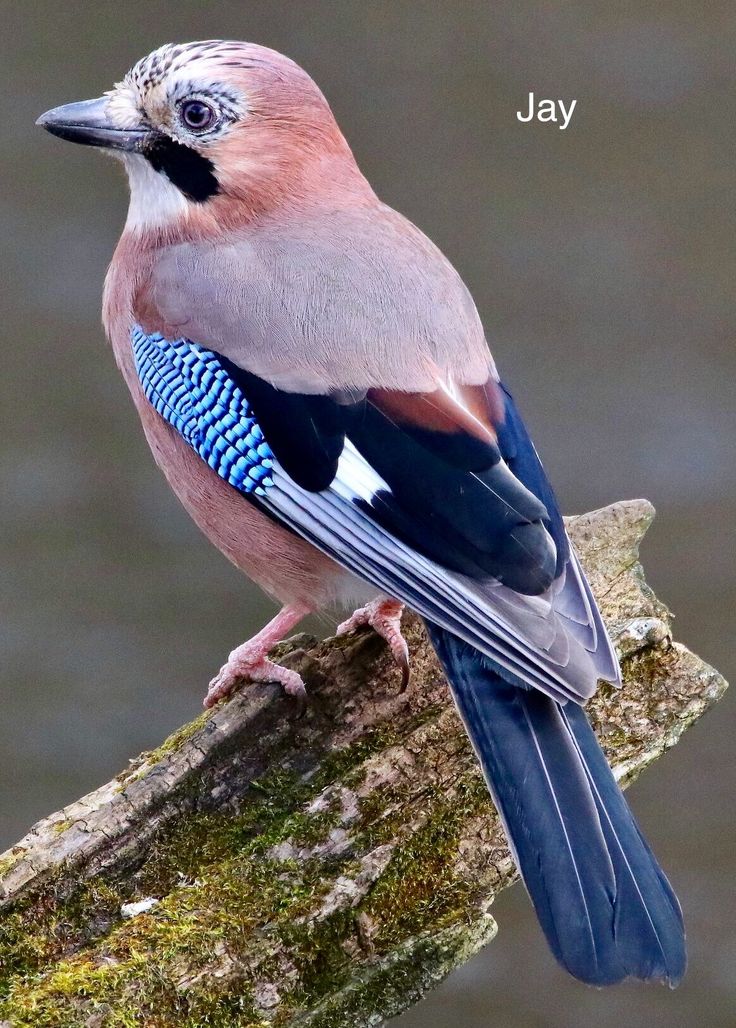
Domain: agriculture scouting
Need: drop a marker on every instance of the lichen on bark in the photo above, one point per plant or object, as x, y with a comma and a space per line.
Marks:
325, 871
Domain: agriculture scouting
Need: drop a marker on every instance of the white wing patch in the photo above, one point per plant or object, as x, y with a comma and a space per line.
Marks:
526, 636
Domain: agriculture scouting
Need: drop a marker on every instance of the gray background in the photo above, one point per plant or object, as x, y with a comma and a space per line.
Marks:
602, 261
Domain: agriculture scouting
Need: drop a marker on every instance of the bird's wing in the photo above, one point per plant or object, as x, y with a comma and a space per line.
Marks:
358, 350
435, 497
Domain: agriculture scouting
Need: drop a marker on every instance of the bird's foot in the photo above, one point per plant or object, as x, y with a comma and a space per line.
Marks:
246, 664
250, 663
384, 617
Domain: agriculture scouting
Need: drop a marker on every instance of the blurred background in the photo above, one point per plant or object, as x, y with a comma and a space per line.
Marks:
602, 261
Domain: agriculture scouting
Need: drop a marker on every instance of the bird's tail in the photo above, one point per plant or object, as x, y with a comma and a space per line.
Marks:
605, 906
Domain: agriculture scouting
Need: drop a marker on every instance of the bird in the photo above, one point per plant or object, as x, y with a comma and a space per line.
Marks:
315, 383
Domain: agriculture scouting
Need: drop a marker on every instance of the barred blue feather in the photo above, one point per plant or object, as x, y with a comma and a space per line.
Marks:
188, 387
604, 903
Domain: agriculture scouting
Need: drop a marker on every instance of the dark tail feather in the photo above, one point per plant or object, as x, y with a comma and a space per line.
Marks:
605, 906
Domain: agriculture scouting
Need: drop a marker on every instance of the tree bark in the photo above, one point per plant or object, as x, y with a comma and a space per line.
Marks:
259, 869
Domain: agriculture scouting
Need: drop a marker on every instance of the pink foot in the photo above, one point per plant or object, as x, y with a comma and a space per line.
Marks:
250, 662
384, 616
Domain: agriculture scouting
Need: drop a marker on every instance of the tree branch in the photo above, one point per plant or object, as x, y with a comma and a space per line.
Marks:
258, 869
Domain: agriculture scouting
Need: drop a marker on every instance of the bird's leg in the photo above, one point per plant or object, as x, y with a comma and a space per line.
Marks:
250, 662
384, 616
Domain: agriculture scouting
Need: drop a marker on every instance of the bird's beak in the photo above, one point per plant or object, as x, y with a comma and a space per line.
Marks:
87, 122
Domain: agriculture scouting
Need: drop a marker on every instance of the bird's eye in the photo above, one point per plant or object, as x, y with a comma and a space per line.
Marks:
197, 115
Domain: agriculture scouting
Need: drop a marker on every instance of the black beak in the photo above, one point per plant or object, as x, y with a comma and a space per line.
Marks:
87, 122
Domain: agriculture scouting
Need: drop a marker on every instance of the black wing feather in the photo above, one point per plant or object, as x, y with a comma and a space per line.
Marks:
305, 432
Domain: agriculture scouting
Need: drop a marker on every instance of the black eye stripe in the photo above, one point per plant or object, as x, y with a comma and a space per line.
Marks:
188, 170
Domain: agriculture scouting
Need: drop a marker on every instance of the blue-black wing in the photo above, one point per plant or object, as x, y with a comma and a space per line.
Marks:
450, 513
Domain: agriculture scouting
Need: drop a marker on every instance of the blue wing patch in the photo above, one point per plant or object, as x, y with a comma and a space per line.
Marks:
191, 390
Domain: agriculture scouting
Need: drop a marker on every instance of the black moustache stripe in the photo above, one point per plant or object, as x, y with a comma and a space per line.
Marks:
188, 170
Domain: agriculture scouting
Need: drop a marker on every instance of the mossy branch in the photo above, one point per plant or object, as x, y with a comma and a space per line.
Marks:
262, 870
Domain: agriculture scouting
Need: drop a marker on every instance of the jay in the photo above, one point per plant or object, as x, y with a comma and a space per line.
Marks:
314, 382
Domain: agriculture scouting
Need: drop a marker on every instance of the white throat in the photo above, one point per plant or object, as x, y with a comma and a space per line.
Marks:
154, 201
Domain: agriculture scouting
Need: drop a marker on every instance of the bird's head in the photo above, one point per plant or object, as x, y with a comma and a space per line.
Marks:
212, 133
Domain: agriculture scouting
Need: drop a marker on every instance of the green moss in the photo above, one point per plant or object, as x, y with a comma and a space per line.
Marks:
344, 765
21, 949
419, 888
384, 988
139, 968
7, 862
218, 884
42, 929
421, 884
67, 953
150, 758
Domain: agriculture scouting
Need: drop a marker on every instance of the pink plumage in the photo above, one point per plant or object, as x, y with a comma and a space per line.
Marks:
317, 389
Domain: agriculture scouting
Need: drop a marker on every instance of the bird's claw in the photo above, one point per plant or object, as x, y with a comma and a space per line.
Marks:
384, 617
256, 668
